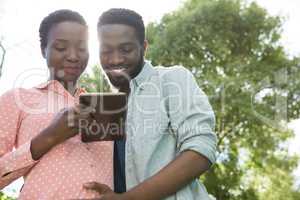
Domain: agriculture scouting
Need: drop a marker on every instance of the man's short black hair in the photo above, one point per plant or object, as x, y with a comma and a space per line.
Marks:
57, 17
126, 17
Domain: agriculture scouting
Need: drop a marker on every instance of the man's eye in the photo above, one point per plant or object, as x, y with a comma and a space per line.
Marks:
126, 50
105, 51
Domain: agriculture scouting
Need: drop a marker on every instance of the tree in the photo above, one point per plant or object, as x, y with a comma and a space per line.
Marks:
2, 56
95, 81
233, 50
5, 197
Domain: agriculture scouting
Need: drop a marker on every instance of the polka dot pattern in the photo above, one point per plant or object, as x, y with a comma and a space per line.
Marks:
61, 173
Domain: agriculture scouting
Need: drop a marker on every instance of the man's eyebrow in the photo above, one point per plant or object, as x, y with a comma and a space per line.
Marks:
127, 44
131, 44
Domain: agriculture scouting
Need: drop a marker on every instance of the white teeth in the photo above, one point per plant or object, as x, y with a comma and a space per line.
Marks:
119, 68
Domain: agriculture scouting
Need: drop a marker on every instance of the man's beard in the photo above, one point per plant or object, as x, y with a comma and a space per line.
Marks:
138, 67
124, 80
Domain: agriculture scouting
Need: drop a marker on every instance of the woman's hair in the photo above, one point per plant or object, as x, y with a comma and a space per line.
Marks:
57, 17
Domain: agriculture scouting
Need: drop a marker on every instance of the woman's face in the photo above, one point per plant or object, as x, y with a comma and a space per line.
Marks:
66, 52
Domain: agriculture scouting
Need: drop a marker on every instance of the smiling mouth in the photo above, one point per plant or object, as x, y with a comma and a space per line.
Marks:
117, 72
116, 68
72, 70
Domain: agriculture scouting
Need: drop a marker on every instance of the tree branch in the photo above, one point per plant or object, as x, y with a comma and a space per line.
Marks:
2, 58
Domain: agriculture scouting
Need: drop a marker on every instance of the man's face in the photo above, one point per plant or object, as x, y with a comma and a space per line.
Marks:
121, 53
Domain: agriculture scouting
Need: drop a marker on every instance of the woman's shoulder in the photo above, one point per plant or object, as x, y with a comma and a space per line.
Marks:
24, 92
20, 95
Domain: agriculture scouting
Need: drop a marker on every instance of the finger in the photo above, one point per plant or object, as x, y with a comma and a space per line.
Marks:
88, 109
101, 188
71, 120
81, 112
104, 197
85, 108
83, 116
63, 110
77, 108
83, 122
86, 117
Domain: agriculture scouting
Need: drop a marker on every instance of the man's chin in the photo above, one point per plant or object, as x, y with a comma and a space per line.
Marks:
118, 82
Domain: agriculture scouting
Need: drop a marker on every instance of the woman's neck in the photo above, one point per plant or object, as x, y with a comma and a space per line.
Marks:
70, 86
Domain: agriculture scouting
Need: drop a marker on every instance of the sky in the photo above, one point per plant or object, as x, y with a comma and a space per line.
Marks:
25, 67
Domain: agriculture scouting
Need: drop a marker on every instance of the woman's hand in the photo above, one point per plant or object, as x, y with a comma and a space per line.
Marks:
64, 126
66, 123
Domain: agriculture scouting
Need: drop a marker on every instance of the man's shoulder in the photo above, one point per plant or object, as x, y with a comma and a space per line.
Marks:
173, 73
177, 69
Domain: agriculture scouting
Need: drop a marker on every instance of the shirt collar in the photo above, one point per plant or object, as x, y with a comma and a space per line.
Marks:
146, 72
44, 85
56, 86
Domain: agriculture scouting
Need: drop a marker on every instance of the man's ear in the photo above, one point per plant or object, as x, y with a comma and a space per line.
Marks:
145, 47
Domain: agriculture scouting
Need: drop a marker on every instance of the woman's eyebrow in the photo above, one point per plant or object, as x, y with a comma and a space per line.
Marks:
60, 40
66, 41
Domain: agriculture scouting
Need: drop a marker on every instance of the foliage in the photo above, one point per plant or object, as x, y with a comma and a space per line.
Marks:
234, 52
5, 197
95, 81
2, 56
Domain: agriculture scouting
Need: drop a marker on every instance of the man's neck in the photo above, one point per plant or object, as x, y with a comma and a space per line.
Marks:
140, 68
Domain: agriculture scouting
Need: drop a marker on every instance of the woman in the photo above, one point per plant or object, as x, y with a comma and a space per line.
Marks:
36, 122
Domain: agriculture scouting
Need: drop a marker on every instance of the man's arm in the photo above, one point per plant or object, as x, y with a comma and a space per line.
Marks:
192, 121
185, 168
176, 175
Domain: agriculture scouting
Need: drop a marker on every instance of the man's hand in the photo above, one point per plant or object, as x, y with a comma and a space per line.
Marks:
104, 190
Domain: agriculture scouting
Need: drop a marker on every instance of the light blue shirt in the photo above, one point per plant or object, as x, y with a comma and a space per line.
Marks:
167, 114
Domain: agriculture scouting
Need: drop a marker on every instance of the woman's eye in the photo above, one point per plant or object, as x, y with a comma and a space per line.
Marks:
83, 49
60, 48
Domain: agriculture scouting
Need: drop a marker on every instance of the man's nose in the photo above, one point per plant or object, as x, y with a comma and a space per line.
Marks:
116, 59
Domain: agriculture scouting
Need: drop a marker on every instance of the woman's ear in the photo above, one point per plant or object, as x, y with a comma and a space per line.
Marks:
43, 51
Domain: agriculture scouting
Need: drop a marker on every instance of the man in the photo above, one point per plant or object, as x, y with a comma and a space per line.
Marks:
170, 140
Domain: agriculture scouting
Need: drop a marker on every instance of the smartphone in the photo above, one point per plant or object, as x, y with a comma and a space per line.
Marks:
108, 122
